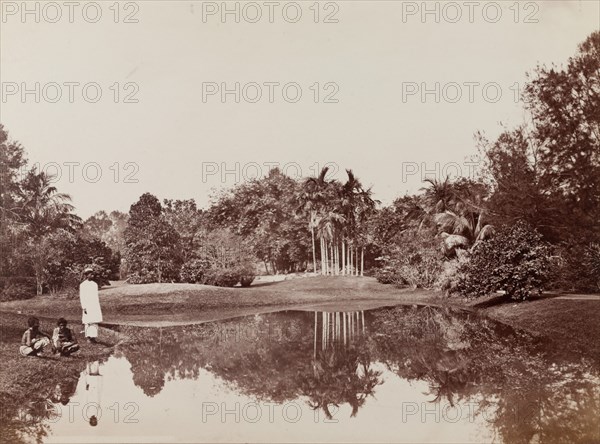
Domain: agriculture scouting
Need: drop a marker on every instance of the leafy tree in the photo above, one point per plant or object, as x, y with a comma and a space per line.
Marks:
12, 161
565, 109
264, 213
109, 228
188, 222
547, 172
71, 254
152, 244
97, 225
512, 164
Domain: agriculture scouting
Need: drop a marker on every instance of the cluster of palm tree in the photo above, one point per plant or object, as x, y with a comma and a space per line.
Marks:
337, 214
457, 212
39, 211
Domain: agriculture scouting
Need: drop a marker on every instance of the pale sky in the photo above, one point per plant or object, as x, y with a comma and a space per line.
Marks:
372, 58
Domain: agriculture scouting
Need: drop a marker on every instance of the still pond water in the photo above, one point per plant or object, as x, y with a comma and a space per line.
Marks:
403, 374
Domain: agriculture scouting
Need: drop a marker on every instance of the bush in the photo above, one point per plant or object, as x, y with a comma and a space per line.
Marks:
450, 277
246, 281
416, 260
388, 275
247, 275
13, 288
143, 276
515, 261
193, 271
223, 277
61, 277
420, 270
591, 264
16, 288
25, 280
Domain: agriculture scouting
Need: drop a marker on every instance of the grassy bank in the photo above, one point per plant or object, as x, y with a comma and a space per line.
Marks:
26, 383
156, 304
572, 325
570, 322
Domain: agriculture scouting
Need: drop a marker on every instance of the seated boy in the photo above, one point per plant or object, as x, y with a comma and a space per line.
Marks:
33, 341
63, 340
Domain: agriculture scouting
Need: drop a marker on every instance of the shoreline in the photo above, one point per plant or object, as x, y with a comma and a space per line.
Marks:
568, 320
567, 323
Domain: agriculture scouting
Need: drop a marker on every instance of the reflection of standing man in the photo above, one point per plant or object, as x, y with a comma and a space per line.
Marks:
93, 390
90, 304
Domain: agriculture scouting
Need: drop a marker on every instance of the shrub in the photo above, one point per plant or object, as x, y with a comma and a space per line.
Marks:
515, 261
143, 276
449, 279
223, 277
388, 275
247, 274
194, 270
15, 288
415, 259
64, 277
246, 281
420, 270
25, 280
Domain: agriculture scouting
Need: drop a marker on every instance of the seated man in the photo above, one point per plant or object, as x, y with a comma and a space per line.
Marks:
33, 341
63, 340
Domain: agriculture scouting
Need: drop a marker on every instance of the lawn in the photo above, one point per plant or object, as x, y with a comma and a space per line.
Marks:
573, 325
161, 304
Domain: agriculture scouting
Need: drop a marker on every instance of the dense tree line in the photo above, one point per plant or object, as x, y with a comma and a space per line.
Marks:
44, 245
538, 201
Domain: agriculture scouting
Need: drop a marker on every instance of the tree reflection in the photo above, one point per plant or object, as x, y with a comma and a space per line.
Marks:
526, 393
341, 363
29, 418
520, 388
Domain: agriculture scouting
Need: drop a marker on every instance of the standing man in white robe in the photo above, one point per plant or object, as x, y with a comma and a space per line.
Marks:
90, 305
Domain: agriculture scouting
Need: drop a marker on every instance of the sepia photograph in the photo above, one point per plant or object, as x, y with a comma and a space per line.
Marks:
309, 221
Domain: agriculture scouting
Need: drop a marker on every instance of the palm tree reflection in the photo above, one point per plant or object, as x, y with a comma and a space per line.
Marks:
329, 358
341, 370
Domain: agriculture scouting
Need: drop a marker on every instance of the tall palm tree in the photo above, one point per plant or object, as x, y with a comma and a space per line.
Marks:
329, 226
314, 200
356, 205
43, 211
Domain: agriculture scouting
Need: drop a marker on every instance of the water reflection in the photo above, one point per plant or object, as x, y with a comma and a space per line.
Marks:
393, 364
31, 418
93, 391
341, 364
